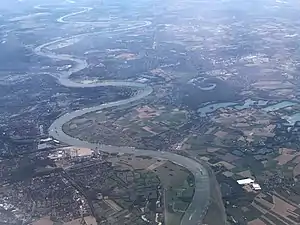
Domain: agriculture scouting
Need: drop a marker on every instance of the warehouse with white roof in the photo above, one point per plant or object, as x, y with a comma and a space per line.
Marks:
249, 182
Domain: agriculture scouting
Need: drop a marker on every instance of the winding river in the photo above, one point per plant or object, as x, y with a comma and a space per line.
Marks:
197, 208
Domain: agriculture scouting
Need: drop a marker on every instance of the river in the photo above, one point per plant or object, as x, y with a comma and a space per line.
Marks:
197, 208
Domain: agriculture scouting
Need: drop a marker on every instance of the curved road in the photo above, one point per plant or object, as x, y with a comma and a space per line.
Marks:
196, 210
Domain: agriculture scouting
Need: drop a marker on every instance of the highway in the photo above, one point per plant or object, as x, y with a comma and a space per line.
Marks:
199, 204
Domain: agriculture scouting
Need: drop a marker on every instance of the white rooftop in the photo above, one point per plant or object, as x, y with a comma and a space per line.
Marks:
256, 186
46, 139
245, 181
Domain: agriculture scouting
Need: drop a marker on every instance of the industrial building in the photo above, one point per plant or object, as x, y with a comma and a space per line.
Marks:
248, 182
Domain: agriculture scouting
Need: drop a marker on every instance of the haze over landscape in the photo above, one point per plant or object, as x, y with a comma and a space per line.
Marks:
174, 112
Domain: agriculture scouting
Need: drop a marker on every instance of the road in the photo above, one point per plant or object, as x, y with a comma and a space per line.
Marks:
196, 210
